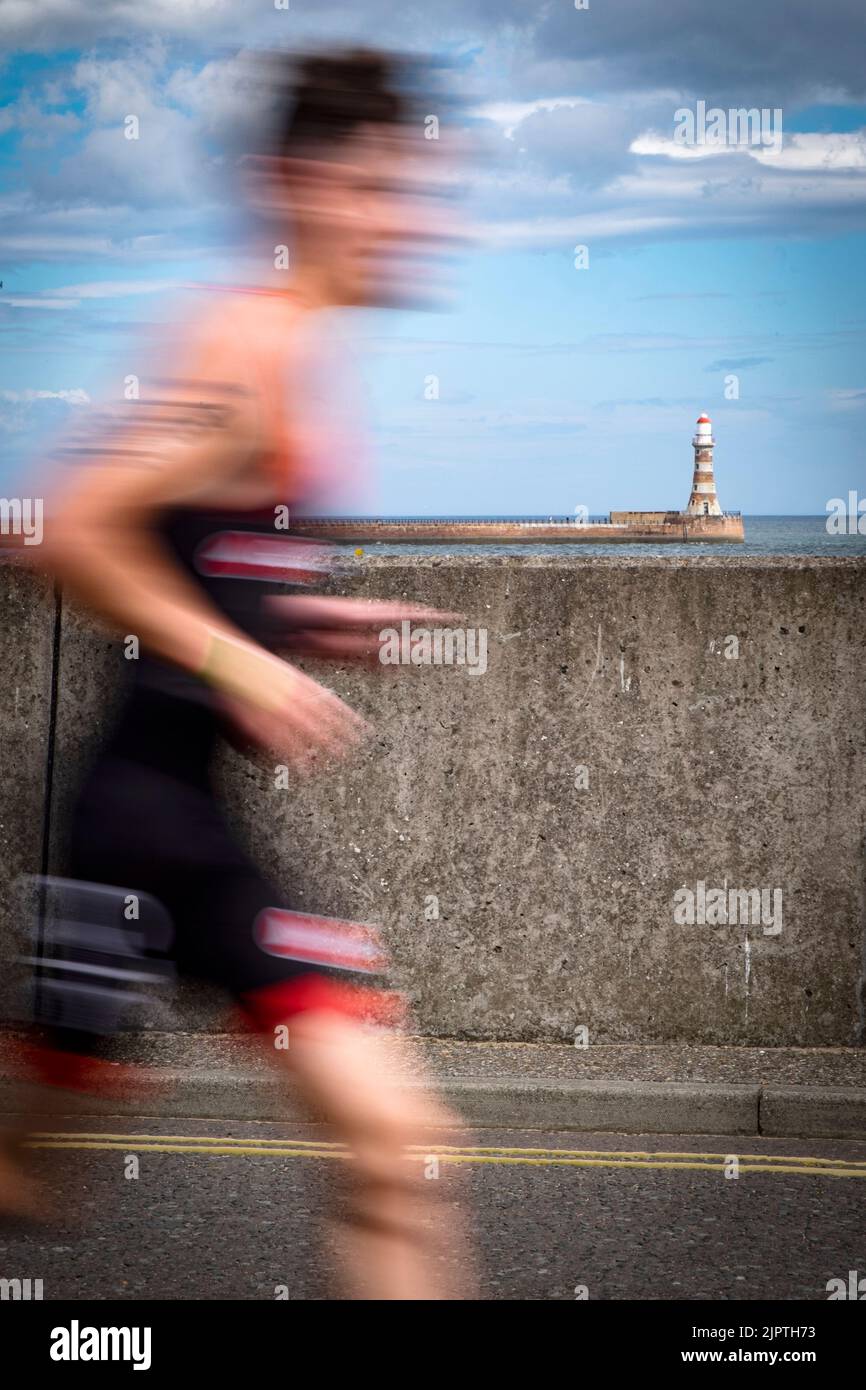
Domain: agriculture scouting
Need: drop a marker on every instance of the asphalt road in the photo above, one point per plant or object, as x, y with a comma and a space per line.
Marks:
231, 1210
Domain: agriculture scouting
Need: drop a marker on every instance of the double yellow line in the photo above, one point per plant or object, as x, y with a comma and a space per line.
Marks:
448, 1153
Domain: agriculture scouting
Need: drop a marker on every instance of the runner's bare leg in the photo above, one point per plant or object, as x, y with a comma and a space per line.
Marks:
401, 1239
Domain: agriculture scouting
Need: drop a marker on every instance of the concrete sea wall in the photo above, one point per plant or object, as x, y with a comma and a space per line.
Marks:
625, 528
682, 526
534, 837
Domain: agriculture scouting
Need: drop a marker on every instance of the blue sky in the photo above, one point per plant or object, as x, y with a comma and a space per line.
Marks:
558, 387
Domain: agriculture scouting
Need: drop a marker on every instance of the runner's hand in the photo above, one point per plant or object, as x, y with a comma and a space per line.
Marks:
274, 706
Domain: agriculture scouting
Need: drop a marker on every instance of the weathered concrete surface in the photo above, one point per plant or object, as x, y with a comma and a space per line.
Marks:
555, 903
822, 1069
26, 642
555, 900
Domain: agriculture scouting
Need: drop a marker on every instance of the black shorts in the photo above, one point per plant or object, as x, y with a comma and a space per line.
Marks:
147, 821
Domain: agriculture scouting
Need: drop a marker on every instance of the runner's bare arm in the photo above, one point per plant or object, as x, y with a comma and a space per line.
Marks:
188, 442
197, 439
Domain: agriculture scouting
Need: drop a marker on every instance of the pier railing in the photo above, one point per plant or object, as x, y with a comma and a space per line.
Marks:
463, 520
646, 522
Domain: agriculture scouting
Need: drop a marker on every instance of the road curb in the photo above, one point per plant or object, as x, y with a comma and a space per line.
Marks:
835, 1113
642, 1107
627, 1107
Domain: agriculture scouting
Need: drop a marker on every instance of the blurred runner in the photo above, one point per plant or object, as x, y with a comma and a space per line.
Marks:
168, 530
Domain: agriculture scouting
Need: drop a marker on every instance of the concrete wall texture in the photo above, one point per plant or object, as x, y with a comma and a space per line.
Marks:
644, 725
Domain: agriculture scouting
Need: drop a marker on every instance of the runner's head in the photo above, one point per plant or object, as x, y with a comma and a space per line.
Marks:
348, 169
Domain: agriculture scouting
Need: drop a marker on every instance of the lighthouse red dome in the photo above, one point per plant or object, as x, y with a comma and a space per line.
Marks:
703, 419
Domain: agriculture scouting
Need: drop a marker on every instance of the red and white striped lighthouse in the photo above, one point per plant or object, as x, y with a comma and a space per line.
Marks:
703, 500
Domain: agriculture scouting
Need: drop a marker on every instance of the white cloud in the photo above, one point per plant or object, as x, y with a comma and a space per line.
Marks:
651, 143
580, 228
73, 396
113, 289
71, 296
845, 398
48, 23
32, 302
35, 121
818, 152
509, 114
807, 152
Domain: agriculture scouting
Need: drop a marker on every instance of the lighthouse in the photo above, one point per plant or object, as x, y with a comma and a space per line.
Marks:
703, 500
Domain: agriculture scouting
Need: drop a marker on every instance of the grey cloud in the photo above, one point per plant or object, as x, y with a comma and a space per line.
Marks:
588, 142
564, 170
781, 51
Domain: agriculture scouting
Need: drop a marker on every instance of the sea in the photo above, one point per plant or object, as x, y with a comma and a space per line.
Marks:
764, 535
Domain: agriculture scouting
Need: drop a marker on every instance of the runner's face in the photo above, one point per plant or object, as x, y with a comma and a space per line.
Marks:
376, 217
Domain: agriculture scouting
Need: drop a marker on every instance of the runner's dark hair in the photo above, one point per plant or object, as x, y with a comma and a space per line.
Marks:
321, 99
